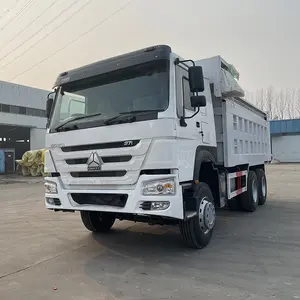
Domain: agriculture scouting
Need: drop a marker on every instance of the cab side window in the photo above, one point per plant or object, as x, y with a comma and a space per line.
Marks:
186, 94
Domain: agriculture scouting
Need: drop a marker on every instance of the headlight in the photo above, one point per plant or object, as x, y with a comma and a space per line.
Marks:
50, 188
159, 187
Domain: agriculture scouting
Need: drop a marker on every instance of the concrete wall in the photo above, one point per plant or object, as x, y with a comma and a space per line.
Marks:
37, 138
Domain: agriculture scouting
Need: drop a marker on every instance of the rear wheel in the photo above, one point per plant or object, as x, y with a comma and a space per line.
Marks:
262, 186
96, 221
197, 231
249, 199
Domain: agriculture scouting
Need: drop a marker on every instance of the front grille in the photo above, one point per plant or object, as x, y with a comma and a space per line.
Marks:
123, 144
107, 159
98, 174
116, 159
118, 200
76, 161
113, 163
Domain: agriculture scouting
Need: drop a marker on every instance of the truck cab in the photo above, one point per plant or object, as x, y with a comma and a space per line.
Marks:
135, 137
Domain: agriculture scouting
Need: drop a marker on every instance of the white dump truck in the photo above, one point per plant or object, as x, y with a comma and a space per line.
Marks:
151, 137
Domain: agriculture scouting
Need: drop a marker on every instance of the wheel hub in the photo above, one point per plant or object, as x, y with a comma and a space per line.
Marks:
207, 215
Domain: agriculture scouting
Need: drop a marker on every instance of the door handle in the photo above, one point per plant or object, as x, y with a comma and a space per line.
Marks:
197, 124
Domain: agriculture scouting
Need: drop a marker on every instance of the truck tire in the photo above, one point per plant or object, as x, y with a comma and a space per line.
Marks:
262, 186
249, 199
197, 231
96, 221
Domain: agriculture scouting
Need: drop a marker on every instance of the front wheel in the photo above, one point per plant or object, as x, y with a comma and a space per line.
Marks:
197, 231
96, 221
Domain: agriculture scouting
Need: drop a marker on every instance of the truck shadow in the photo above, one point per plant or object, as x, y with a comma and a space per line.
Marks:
141, 240
138, 250
137, 256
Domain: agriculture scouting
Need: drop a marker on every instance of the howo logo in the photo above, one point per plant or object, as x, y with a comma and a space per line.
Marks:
94, 162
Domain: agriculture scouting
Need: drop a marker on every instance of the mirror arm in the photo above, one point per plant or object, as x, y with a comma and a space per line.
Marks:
178, 61
192, 116
48, 96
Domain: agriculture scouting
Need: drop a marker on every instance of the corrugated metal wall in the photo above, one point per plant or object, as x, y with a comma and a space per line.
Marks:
286, 148
284, 126
285, 137
16, 94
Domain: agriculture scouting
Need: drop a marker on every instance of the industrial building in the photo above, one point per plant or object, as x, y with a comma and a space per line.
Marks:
285, 140
22, 122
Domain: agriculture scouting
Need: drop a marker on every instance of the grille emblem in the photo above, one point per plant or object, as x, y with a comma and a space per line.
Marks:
94, 162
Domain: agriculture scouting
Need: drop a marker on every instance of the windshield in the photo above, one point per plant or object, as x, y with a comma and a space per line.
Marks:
94, 100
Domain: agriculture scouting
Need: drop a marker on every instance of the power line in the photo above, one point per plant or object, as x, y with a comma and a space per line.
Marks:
38, 41
23, 9
17, 14
76, 39
7, 11
28, 25
35, 33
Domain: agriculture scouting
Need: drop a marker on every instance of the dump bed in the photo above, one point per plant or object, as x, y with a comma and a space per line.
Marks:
242, 130
242, 133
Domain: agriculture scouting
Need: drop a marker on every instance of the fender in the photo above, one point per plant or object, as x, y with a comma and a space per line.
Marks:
203, 154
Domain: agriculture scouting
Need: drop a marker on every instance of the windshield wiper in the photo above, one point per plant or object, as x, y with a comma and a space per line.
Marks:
116, 118
130, 118
76, 119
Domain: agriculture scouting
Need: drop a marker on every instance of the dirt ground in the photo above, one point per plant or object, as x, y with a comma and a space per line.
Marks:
47, 255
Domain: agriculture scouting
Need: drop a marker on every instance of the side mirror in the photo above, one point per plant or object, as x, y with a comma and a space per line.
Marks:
49, 105
196, 79
198, 101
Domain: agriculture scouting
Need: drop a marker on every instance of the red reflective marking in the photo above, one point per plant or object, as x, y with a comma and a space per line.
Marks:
239, 182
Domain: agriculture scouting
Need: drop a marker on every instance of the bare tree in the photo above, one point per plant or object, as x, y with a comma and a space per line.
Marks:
281, 103
270, 99
277, 104
290, 103
297, 103
260, 99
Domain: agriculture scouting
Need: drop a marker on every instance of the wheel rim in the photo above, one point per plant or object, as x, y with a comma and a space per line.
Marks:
263, 186
254, 191
207, 215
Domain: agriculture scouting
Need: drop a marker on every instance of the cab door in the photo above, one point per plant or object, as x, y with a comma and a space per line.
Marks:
192, 129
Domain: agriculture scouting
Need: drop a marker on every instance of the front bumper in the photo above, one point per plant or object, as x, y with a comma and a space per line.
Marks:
133, 203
